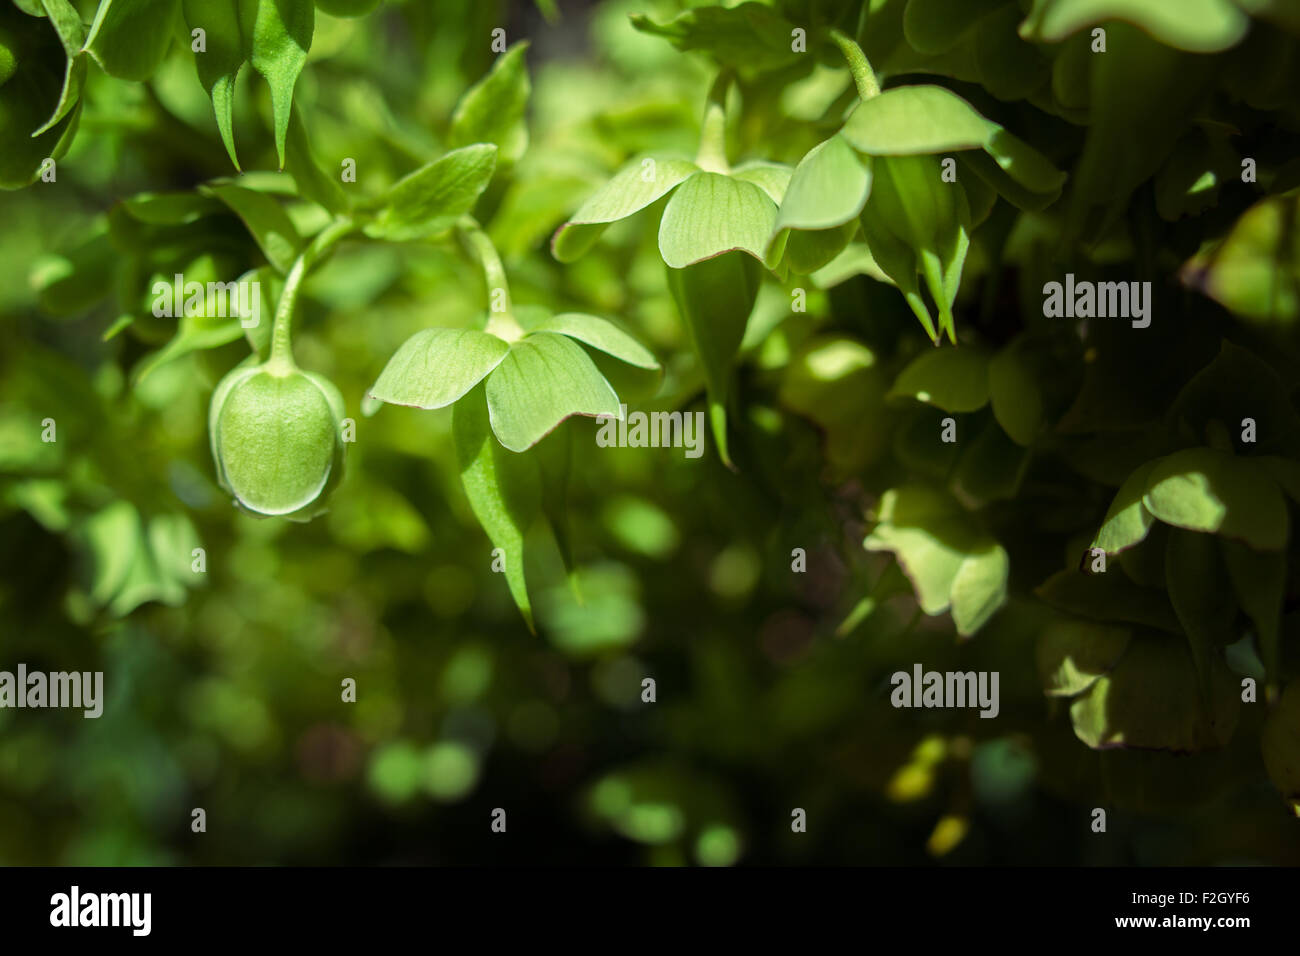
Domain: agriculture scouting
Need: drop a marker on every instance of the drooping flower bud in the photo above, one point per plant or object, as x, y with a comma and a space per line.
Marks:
277, 439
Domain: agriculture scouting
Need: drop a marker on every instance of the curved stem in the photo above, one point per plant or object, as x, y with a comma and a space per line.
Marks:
863, 75
281, 360
712, 156
501, 323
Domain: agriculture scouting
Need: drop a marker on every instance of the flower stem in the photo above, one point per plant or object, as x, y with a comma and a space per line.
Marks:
712, 156
281, 361
501, 322
863, 75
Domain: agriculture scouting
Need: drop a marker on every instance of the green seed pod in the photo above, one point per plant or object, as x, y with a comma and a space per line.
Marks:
277, 439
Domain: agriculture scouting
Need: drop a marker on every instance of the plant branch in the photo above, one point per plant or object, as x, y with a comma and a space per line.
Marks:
503, 323
863, 75
281, 361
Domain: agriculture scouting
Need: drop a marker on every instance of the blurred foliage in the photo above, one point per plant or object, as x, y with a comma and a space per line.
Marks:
1118, 690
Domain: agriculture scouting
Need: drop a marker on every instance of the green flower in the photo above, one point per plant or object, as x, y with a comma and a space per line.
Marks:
536, 373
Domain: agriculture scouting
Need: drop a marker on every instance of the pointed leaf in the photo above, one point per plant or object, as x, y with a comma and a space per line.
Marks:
279, 36
599, 334
432, 198
266, 220
1127, 520
129, 38
435, 367
543, 380
715, 298
492, 111
1203, 489
710, 214
502, 489
632, 188
219, 64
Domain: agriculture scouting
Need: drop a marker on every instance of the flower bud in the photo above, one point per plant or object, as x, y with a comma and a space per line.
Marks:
277, 439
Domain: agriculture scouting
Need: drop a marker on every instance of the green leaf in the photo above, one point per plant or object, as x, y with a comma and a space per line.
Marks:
543, 380
502, 488
924, 119
1194, 578
311, 181
953, 379
1149, 701
916, 223
279, 35
772, 178
1237, 385
835, 381
749, 37
632, 188
1255, 270
1202, 489
1259, 581
1131, 136
432, 198
1016, 396
29, 98
1072, 654
1127, 520
219, 64
72, 283
714, 299
936, 26
829, 187
171, 209
979, 588
711, 214
129, 38
599, 334
193, 333
266, 220
492, 110
1200, 26
435, 367
72, 34
1109, 598
949, 561
1280, 742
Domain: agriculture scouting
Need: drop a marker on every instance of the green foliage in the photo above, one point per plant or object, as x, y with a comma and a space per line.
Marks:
833, 246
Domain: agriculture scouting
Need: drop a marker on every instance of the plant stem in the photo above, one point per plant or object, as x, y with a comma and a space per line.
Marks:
712, 155
503, 323
863, 75
281, 361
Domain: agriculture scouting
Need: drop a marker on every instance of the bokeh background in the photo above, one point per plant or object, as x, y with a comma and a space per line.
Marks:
223, 689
